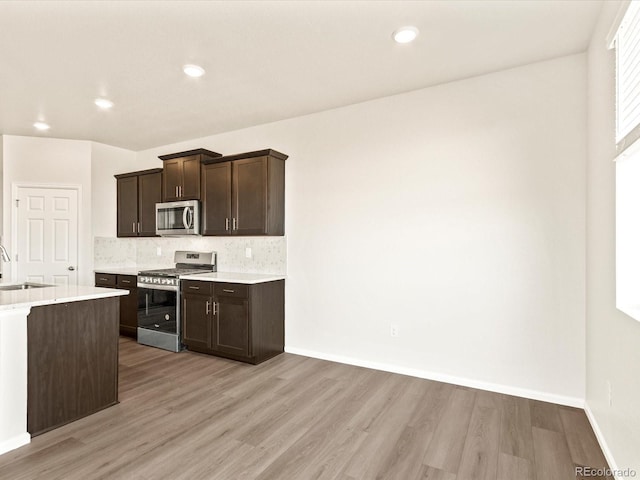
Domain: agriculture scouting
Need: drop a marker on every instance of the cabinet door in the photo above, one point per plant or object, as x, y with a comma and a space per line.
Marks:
149, 193
196, 320
250, 196
216, 198
190, 178
171, 179
127, 206
128, 306
231, 325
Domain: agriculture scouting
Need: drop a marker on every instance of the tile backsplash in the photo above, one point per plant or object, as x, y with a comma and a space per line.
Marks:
268, 254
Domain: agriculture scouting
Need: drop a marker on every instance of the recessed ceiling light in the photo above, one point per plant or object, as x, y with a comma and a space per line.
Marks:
193, 70
103, 103
405, 34
41, 126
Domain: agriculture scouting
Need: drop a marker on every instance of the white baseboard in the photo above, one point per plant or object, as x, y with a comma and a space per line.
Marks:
600, 437
15, 442
441, 377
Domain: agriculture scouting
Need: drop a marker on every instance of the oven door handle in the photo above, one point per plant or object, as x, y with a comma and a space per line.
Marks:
169, 288
146, 304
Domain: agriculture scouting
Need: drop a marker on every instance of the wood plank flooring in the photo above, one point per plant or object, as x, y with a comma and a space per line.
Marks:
192, 416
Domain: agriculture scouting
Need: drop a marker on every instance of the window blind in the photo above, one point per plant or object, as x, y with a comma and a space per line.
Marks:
627, 44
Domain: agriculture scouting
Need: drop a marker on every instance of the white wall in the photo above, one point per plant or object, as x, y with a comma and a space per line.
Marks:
3, 267
613, 339
40, 160
455, 212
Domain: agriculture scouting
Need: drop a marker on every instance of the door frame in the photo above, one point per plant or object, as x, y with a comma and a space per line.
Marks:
15, 186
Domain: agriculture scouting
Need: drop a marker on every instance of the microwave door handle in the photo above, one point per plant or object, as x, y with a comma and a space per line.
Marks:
190, 218
185, 216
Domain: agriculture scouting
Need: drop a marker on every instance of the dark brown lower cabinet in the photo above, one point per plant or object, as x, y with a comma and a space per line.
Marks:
72, 351
128, 303
237, 321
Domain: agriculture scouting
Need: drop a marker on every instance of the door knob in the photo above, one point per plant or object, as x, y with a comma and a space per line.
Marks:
71, 269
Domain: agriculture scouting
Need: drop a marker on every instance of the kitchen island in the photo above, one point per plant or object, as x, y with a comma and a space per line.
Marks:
58, 357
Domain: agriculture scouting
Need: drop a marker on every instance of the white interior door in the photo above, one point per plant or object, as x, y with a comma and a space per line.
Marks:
47, 235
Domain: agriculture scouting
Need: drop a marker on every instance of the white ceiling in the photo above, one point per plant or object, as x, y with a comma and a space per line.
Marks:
265, 60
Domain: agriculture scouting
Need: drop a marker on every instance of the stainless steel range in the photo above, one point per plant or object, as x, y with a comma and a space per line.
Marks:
159, 299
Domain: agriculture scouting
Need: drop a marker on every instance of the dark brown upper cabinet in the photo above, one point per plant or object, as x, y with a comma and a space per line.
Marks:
181, 179
138, 193
244, 194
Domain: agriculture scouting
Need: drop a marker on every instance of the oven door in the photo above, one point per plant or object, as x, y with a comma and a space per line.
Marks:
158, 309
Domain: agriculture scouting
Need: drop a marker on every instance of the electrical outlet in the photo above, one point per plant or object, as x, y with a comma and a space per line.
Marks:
247, 252
610, 393
394, 330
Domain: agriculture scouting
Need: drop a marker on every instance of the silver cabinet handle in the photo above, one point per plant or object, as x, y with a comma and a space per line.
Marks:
138, 227
177, 192
102, 279
215, 309
184, 317
194, 288
133, 227
228, 291
180, 190
226, 224
208, 307
123, 281
235, 223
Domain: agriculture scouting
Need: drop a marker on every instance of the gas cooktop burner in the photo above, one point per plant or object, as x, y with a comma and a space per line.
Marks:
186, 263
174, 272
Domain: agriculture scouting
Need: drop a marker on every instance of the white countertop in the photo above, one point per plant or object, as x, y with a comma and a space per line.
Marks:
118, 270
230, 277
32, 297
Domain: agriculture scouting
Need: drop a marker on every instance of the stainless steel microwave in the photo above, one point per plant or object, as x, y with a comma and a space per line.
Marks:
178, 218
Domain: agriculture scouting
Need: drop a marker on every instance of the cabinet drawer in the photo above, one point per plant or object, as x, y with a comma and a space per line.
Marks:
198, 287
127, 281
232, 290
105, 280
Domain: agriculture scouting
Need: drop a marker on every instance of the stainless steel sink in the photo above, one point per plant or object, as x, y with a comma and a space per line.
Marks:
24, 286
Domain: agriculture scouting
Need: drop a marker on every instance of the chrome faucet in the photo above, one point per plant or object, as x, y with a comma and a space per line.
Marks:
4, 254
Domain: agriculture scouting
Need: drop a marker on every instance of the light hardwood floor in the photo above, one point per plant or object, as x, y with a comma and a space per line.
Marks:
192, 416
